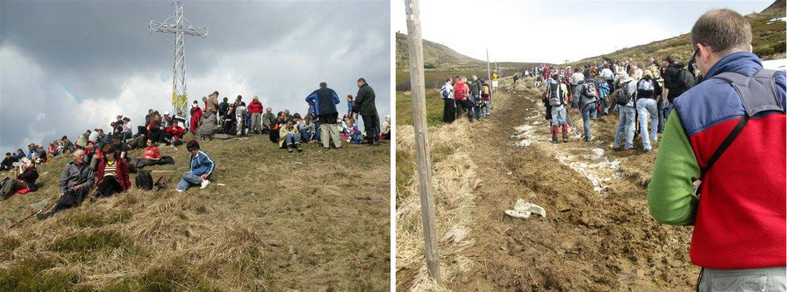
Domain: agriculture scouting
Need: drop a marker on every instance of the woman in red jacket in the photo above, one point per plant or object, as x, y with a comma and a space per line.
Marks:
113, 175
196, 113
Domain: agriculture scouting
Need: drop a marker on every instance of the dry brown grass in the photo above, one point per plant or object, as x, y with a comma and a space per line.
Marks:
318, 220
454, 182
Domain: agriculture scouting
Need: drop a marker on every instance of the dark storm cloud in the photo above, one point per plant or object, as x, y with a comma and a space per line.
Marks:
277, 50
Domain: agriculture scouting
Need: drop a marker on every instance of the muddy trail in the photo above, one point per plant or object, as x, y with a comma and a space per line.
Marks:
597, 235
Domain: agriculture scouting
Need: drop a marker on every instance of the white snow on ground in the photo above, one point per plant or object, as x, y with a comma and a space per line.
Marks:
777, 19
775, 64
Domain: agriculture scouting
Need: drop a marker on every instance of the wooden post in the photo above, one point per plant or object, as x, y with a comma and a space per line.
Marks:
489, 77
417, 93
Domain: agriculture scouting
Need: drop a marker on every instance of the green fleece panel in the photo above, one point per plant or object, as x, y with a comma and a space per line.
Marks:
671, 193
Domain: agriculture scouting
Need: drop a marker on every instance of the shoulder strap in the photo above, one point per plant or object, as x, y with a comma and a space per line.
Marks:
758, 94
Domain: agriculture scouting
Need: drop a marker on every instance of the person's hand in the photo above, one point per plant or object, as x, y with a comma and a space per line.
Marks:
62, 194
77, 187
576, 110
204, 177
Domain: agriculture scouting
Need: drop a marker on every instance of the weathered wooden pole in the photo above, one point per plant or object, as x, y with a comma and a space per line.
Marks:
417, 93
489, 77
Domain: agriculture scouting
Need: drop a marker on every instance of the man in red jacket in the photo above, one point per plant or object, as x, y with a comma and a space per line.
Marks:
256, 110
734, 121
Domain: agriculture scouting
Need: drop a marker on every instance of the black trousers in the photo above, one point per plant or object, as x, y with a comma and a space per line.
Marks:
448, 110
70, 199
371, 127
157, 135
108, 187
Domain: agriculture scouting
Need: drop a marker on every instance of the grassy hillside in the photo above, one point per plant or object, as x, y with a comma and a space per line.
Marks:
442, 58
318, 220
768, 41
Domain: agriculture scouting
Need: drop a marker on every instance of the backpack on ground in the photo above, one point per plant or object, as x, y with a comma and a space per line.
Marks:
622, 95
166, 160
144, 181
555, 94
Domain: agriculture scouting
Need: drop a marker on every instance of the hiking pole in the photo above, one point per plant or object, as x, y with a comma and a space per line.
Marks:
25, 219
416, 55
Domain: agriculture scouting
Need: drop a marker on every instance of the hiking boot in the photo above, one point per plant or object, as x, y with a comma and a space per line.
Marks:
555, 138
289, 148
566, 137
298, 147
377, 142
93, 199
42, 216
204, 184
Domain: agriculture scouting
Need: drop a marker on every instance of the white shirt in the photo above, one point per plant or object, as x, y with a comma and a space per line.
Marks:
577, 77
448, 87
606, 73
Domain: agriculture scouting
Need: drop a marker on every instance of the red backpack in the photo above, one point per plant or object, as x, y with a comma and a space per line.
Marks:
459, 91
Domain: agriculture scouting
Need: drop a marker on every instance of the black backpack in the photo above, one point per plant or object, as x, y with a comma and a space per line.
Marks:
684, 80
623, 97
144, 180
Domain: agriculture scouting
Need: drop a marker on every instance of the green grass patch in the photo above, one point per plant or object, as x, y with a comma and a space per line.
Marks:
434, 108
31, 274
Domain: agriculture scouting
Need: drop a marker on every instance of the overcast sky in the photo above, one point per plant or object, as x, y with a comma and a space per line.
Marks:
557, 30
68, 66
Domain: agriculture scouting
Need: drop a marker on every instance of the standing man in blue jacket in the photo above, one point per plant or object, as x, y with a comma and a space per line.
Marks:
325, 100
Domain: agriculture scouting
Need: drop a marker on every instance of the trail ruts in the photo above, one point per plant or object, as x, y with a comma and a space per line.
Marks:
591, 240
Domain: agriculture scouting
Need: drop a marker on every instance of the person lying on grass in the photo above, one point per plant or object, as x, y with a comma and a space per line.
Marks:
200, 168
25, 182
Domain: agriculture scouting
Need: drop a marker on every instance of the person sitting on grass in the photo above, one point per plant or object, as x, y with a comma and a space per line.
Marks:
307, 129
385, 132
24, 183
113, 174
288, 136
8, 162
200, 168
75, 181
174, 135
151, 152
350, 132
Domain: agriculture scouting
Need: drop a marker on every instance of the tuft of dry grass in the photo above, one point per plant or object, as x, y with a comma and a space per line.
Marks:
454, 182
278, 221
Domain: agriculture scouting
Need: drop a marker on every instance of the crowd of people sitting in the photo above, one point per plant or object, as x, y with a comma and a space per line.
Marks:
101, 159
635, 93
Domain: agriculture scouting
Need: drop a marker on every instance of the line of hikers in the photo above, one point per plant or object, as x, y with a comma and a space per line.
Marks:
460, 96
632, 92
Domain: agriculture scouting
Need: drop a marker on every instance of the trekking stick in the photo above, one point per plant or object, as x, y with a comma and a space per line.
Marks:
25, 219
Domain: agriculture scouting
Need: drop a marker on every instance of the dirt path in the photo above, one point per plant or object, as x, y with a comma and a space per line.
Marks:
597, 234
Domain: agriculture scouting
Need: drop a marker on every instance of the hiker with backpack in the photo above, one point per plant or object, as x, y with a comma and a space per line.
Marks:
201, 168
484, 107
625, 98
461, 95
113, 175
721, 164
476, 89
557, 95
75, 182
585, 101
646, 105
677, 80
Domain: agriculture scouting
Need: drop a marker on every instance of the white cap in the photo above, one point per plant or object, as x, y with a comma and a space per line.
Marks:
166, 113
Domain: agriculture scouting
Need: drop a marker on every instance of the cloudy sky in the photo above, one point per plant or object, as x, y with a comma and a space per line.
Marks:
72, 65
538, 31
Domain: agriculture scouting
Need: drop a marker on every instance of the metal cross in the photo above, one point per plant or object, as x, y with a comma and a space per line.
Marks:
180, 28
